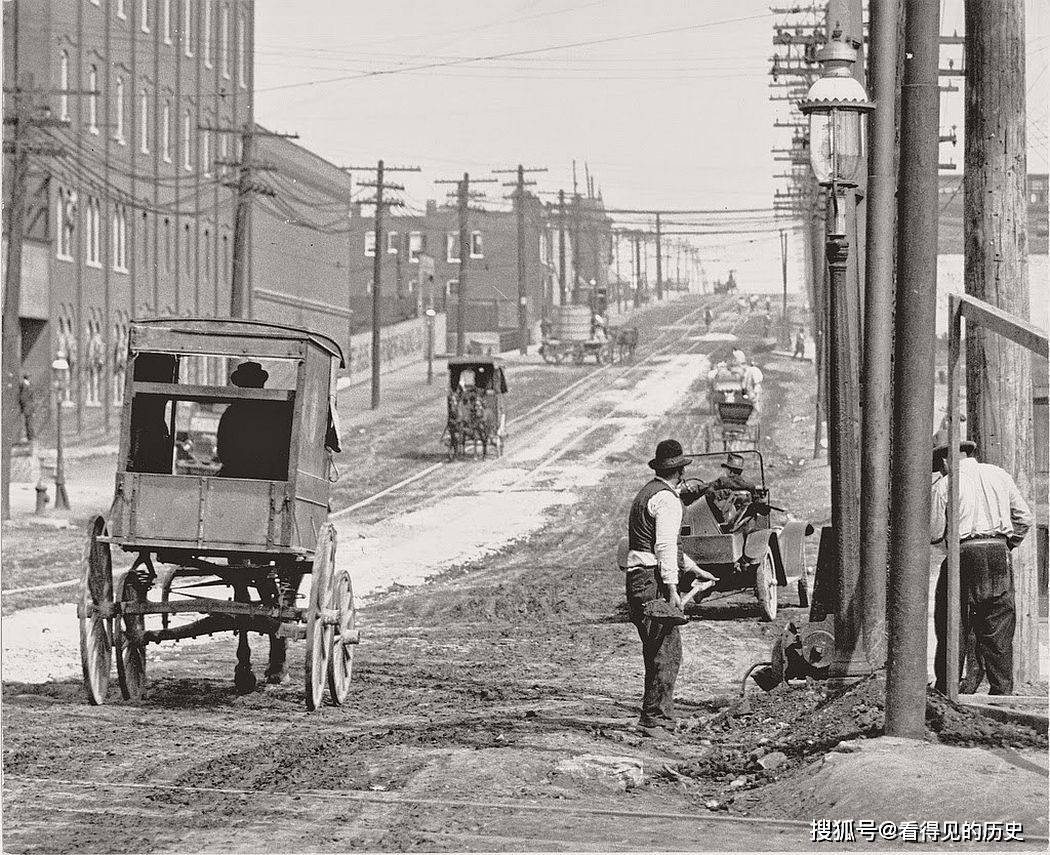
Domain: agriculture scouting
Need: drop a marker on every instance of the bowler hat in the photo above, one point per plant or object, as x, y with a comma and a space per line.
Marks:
734, 462
250, 374
940, 453
669, 455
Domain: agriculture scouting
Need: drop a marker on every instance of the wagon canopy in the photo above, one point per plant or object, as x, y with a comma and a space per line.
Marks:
219, 328
481, 372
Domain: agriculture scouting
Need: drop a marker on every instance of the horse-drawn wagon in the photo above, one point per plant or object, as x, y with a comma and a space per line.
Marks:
737, 424
253, 518
476, 386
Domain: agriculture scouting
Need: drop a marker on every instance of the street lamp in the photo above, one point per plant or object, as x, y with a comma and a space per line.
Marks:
58, 373
836, 104
430, 313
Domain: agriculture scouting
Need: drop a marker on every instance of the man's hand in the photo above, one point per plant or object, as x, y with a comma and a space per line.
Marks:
674, 598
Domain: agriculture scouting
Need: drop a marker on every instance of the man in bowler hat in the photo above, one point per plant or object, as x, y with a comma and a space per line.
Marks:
254, 436
653, 525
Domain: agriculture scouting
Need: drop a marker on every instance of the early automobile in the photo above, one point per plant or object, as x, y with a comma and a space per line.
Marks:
728, 533
474, 403
245, 507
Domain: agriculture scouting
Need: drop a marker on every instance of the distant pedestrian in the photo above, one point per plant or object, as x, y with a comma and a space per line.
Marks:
767, 325
741, 305
27, 406
752, 302
708, 318
769, 306
800, 345
993, 520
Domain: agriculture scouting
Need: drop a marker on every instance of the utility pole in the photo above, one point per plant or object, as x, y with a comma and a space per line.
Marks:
463, 197
877, 390
12, 349
523, 293
562, 293
19, 147
380, 185
913, 374
616, 262
245, 188
575, 244
785, 335
659, 262
995, 222
637, 269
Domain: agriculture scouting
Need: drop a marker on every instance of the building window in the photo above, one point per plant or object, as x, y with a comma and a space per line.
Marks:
64, 221
224, 49
144, 15
167, 245
119, 239
452, 246
206, 32
242, 44
189, 247
93, 99
476, 250
144, 122
119, 108
145, 240
63, 82
187, 137
391, 243
452, 288
166, 11
206, 153
224, 148
96, 361
370, 243
187, 26
122, 11
165, 131
94, 232
415, 246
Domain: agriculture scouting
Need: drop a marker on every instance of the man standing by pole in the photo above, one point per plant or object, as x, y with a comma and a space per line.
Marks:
913, 373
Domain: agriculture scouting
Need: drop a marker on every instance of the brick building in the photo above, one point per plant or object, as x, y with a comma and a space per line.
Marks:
492, 283
130, 217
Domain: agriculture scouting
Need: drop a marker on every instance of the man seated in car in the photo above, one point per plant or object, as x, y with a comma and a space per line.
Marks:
725, 493
254, 436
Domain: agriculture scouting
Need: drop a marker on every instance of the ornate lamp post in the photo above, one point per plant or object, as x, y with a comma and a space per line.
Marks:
58, 373
836, 104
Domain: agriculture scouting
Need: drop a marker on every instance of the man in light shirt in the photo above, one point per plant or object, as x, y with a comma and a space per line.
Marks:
993, 519
652, 573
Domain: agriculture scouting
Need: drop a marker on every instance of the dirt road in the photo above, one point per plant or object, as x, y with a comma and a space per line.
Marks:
494, 707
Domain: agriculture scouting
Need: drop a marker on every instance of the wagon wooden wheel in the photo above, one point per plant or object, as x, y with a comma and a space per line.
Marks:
766, 585
342, 661
95, 611
128, 641
319, 632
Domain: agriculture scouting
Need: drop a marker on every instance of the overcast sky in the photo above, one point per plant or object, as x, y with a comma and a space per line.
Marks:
670, 108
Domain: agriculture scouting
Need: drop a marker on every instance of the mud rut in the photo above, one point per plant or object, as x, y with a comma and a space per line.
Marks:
470, 694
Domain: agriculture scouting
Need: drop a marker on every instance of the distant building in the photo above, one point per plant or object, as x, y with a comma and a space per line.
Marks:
130, 217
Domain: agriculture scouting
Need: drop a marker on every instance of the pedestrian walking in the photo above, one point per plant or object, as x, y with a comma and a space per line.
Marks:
993, 520
27, 406
708, 318
800, 344
653, 600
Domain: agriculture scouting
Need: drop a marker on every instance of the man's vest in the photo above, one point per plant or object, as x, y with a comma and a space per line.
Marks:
641, 524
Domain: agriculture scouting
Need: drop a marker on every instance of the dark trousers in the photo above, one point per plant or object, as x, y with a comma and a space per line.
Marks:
661, 647
986, 616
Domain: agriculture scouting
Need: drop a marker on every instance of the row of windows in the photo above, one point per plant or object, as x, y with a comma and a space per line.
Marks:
66, 223
417, 245
207, 36
144, 130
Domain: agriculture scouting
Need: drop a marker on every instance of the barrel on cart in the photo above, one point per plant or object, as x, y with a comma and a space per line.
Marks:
252, 517
572, 336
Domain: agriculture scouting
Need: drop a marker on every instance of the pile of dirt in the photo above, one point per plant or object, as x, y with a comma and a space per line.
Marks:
756, 740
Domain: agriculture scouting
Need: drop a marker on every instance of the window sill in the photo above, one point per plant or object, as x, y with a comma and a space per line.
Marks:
97, 265
145, 29
93, 131
166, 159
475, 257
122, 270
67, 258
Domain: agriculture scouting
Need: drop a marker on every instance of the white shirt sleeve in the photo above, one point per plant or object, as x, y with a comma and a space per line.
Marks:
667, 508
938, 509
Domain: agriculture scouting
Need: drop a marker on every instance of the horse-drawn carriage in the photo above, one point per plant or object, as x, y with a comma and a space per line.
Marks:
253, 518
476, 386
737, 424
